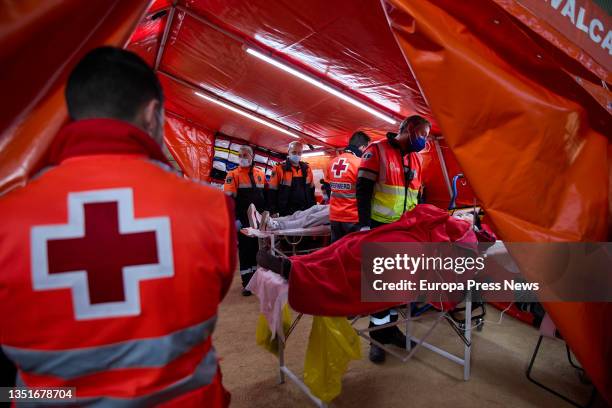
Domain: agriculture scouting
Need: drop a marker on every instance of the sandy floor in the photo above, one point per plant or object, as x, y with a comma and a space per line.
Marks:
500, 355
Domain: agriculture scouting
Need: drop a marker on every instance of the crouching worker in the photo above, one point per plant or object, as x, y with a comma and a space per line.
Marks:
246, 185
110, 279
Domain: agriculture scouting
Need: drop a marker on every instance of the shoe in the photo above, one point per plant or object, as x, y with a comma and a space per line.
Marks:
246, 292
253, 216
397, 338
377, 354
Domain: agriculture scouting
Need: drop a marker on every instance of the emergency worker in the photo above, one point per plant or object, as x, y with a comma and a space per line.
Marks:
342, 177
291, 186
110, 281
246, 185
388, 185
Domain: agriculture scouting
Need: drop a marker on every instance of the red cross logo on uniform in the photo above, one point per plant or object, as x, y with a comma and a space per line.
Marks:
102, 253
339, 168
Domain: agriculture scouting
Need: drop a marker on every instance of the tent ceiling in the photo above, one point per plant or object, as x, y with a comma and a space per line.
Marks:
350, 46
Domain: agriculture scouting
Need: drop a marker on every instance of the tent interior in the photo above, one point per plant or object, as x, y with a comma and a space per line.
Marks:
518, 107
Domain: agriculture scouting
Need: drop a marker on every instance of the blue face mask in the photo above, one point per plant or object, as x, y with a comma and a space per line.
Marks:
294, 158
417, 143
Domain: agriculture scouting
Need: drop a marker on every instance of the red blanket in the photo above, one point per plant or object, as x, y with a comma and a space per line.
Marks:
328, 282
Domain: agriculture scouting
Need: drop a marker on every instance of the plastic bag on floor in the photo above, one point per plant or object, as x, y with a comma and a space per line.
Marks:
263, 335
333, 343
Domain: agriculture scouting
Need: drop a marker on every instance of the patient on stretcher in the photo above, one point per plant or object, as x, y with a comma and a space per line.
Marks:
310, 217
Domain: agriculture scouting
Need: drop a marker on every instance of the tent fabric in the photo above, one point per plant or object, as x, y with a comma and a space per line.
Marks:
571, 31
538, 167
436, 190
520, 105
36, 110
346, 45
191, 147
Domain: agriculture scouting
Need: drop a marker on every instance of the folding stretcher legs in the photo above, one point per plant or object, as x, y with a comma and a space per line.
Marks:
407, 318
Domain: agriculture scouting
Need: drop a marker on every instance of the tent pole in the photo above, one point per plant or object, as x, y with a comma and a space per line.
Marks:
162, 46
443, 167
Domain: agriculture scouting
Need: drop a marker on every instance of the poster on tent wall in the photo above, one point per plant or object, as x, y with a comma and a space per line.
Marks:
582, 22
318, 165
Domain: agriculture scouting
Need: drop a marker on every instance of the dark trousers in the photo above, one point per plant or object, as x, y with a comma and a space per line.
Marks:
386, 315
340, 229
247, 255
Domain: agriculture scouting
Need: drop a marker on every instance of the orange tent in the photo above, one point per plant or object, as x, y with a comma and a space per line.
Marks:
517, 89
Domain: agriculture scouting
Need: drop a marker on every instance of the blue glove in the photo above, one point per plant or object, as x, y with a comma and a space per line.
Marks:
238, 225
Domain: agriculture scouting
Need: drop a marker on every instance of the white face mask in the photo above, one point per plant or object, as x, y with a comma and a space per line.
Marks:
245, 162
294, 158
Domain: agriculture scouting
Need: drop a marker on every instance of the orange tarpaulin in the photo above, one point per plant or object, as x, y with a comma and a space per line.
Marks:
39, 43
522, 110
191, 147
532, 158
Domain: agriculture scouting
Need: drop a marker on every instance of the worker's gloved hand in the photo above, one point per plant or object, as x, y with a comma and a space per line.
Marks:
238, 225
364, 229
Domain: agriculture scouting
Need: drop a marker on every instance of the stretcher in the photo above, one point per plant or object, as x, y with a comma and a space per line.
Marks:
292, 236
464, 332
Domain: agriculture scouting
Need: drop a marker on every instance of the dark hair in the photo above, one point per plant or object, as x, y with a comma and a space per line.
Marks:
415, 120
359, 139
111, 83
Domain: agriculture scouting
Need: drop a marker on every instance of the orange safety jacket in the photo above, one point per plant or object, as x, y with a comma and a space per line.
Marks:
113, 267
397, 180
291, 188
342, 177
247, 186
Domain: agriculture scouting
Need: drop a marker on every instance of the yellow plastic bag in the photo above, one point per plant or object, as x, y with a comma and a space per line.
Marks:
263, 335
332, 344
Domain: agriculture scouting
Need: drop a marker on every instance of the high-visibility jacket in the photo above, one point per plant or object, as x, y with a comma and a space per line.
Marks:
291, 188
112, 268
397, 180
342, 177
246, 185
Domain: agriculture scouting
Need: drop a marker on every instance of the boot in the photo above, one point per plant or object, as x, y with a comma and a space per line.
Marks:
377, 355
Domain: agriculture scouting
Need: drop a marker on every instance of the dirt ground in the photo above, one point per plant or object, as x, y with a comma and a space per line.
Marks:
500, 355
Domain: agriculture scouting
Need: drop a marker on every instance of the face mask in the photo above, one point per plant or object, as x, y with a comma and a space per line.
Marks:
417, 143
245, 162
294, 158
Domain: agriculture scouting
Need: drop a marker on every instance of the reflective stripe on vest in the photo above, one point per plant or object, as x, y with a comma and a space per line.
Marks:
144, 353
366, 173
203, 375
248, 185
388, 200
336, 194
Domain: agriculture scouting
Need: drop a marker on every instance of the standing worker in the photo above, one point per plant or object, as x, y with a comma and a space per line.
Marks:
388, 185
291, 184
342, 178
246, 185
110, 279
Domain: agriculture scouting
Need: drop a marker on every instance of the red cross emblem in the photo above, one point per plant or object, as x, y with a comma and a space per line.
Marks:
102, 254
339, 168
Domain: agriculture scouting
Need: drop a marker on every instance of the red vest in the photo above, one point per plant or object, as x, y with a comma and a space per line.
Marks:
112, 270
